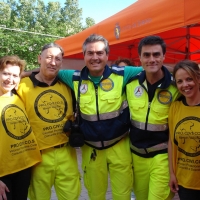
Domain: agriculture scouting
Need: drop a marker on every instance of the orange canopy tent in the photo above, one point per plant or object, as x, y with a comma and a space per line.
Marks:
176, 21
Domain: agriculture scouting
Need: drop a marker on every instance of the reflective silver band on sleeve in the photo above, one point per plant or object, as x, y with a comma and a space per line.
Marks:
108, 115
157, 147
106, 143
150, 127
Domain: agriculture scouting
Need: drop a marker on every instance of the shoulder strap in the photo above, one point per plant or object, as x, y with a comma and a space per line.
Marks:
75, 103
73, 100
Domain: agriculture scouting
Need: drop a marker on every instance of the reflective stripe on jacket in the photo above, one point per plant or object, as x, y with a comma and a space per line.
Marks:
149, 120
104, 109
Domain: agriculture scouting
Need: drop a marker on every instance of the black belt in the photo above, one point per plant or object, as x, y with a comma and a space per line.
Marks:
60, 146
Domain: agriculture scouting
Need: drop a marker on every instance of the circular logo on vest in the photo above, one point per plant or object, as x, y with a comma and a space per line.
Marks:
107, 84
15, 122
83, 88
187, 136
164, 97
139, 90
50, 106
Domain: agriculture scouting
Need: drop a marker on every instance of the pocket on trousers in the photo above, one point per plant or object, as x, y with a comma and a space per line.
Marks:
85, 178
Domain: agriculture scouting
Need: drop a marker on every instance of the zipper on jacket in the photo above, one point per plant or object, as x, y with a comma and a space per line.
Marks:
97, 106
147, 116
149, 105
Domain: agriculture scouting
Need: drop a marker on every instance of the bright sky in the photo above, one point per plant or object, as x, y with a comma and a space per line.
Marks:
99, 9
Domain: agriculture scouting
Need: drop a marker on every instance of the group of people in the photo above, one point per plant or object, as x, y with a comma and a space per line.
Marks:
140, 126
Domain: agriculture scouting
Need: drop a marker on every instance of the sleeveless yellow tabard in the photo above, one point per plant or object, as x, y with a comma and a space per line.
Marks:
184, 123
52, 108
18, 147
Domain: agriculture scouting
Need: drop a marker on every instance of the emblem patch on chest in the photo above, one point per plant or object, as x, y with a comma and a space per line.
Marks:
83, 88
139, 90
107, 84
164, 97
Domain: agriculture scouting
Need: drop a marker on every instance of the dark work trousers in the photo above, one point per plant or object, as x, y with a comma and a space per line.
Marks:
17, 184
188, 194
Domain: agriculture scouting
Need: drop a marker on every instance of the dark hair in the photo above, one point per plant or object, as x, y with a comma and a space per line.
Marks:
190, 67
152, 40
125, 60
12, 60
52, 45
96, 38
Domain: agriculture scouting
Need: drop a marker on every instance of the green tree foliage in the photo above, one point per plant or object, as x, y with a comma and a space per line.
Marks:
89, 22
21, 19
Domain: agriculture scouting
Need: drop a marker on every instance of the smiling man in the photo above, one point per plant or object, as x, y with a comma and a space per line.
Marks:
104, 120
48, 104
149, 97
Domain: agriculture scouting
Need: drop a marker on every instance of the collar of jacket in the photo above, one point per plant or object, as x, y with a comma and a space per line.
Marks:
168, 78
85, 73
41, 84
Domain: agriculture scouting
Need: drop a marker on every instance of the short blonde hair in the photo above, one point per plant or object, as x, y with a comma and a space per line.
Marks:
12, 60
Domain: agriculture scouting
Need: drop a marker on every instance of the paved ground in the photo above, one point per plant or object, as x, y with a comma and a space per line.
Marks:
84, 195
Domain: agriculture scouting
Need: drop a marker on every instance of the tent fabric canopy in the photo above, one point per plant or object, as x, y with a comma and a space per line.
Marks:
176, 21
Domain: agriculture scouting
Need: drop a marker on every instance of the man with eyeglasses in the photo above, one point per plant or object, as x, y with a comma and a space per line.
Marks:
149, 96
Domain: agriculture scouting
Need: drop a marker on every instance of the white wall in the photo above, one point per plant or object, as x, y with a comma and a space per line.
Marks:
73, 64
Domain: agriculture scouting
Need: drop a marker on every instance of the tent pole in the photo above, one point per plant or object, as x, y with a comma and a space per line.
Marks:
187, 48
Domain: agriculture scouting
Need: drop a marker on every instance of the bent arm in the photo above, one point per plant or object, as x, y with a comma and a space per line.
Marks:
66, 77
29, 72
130, 72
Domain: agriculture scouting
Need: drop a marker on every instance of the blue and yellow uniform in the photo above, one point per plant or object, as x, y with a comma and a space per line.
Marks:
104, 123
149, 133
